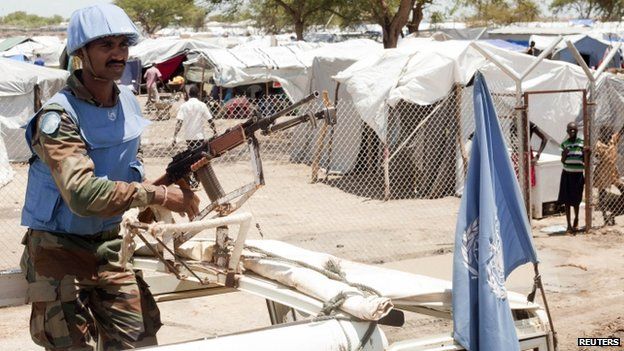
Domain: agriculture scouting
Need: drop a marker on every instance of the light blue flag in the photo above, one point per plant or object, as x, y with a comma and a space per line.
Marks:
492, 237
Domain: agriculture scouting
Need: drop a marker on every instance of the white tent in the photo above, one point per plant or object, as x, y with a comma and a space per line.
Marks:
49, 47
162, 49
243, 66
592, 47
18, 82
327, 61
425, 73
6, 171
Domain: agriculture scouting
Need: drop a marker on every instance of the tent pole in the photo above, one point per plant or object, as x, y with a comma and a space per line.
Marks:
525, 183
386, 166
201, 91
587, 123
588, 116
540, 285
330, 147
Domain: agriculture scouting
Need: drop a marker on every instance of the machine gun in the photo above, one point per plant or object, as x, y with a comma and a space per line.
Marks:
197, 160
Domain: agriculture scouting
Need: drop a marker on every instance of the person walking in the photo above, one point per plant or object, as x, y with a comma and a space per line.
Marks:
84, 174
192, 115
152, 76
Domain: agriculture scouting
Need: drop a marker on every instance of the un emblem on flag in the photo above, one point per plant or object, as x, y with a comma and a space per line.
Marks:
470, 248
495, 267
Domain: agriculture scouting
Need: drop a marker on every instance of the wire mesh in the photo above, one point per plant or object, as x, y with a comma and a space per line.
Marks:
607, 154
375, 199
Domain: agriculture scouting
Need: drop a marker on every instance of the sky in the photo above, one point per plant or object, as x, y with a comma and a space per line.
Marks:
46, 8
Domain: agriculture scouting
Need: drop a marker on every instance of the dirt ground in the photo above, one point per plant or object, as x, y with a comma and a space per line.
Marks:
583, 277
583, 274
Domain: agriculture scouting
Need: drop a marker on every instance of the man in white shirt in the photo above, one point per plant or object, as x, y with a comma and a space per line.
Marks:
191, 116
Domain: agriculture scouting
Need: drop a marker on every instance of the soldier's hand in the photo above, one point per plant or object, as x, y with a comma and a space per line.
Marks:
109, 251
182, 200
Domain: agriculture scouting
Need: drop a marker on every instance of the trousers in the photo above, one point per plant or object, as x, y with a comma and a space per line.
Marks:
81, 297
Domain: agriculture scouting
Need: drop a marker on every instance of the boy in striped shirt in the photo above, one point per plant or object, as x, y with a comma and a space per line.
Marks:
572, 179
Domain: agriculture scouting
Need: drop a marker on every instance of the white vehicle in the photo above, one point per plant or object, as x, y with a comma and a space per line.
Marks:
316, 301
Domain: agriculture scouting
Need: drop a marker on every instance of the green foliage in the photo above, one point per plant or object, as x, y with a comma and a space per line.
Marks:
436, 17
157, 14
23, 19
606, 10
502, 11
583, 8
276, 15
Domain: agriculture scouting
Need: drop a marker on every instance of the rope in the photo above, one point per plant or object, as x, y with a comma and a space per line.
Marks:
326, 272
361, 342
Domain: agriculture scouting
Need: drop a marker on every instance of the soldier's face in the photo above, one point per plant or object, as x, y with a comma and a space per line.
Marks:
108, 56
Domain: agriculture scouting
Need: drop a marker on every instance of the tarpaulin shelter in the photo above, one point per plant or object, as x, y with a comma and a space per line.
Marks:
166, 53
23, 87
49, 48
592, 47
394, 90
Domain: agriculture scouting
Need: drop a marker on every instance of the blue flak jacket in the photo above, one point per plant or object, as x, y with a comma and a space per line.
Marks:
112, 135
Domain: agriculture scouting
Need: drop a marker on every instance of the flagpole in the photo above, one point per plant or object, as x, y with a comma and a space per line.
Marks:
538, 283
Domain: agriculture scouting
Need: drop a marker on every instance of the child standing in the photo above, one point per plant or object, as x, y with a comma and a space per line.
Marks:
572, 179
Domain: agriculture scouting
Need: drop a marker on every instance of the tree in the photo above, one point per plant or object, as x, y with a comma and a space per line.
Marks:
23, 19
157, 14
583, 8
392, 16
302, 13
417, 15
502, 11
275, 15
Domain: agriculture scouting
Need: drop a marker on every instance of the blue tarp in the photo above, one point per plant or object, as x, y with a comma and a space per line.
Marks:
592, 50
20, 58
504, 44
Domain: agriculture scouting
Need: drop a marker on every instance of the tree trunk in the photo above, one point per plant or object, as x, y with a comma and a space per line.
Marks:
392, 28
417, 17
299, 29
391, 36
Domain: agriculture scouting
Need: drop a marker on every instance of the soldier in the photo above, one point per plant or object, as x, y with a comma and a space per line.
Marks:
83, 175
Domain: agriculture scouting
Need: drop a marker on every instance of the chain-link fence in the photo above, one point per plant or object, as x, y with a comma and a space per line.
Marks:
373, 200
607, 153
419, 171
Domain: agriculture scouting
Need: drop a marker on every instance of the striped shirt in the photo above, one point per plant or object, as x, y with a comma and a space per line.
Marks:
574, 161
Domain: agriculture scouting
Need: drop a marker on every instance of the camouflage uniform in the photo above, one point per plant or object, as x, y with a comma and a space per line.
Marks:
78, 291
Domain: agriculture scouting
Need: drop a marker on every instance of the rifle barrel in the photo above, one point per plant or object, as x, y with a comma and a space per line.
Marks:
265, 122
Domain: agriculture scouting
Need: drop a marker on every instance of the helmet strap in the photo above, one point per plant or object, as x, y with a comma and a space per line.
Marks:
87, 64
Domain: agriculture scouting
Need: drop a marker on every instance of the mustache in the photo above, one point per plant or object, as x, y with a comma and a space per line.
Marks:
115, 62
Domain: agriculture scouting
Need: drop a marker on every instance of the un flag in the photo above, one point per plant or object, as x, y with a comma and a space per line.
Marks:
492, 237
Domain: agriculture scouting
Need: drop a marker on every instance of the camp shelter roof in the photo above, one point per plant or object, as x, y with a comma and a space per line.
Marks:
162, 49
8, 43
241, 66
50, 51
17, 78
540, 29
591, 45
425, 73
289, 64
17, 99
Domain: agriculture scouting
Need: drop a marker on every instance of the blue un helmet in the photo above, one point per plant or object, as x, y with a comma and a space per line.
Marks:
98, 21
